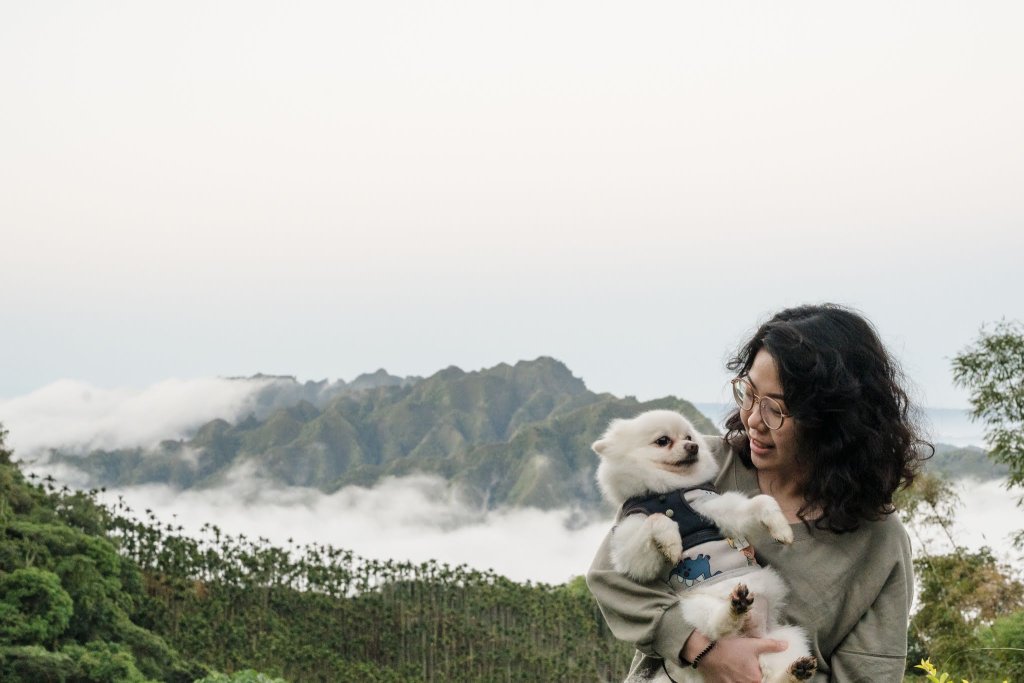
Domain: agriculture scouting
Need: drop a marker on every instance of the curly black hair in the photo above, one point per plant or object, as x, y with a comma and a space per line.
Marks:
856, 433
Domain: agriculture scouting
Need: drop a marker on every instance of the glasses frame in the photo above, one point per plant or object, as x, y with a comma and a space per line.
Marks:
759, 401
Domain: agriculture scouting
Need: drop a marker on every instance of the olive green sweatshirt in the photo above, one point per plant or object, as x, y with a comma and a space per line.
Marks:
851, 592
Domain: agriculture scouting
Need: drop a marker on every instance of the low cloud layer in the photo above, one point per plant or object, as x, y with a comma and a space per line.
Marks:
78, 417
416, 518
412, 518
986, 516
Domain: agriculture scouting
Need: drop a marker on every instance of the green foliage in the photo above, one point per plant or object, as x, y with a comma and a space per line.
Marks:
34, 608
95, 662
993, 370
247, 676
315, 612
35, 664
935, 676
1004, 645
931, 502
104, 662
968, 603
963, 597
140, 592
67, 597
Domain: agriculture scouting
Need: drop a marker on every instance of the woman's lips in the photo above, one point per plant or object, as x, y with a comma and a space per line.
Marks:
760, 448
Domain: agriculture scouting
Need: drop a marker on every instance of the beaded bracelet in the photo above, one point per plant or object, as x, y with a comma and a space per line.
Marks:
696, 660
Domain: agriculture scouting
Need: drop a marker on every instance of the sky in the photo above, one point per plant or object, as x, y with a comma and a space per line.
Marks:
194, 190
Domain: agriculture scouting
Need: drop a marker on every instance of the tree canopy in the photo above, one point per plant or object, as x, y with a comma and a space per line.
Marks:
993, 370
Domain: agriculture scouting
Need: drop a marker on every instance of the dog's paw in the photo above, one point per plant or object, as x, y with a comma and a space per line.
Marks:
782, 533
665, 535
803, 668
673, 551
740, 599
772, 518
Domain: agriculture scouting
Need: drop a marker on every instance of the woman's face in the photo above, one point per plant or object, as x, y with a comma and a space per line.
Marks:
771, 450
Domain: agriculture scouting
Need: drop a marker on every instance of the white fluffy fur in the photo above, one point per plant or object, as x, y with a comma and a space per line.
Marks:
633, 463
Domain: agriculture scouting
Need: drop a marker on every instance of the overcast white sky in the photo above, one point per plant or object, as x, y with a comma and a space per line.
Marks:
192, 189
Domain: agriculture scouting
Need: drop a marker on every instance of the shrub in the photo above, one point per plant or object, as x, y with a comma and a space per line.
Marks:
33, 607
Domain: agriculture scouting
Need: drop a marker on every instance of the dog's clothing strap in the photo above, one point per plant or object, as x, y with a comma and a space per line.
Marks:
694, 528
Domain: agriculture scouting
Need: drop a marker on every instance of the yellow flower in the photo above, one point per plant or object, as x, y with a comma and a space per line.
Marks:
933, 676
933, 673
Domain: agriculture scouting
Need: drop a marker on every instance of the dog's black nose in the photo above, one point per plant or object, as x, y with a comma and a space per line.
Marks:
691, 448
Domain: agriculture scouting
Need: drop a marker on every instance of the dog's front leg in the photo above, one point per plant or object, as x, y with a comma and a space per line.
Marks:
738, 516
641, 545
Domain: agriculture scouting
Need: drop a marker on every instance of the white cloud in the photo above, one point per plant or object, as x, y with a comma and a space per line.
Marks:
988, 515
413, 518
76, 416
417, 519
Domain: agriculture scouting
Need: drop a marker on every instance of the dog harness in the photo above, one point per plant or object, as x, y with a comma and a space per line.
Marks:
707, 554
694, 528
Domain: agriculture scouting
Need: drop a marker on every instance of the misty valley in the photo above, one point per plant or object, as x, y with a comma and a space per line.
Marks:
234, 548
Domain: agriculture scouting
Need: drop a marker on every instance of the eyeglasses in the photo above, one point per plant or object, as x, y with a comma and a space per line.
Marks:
771, 411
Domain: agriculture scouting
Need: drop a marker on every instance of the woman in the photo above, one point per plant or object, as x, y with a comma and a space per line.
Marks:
824, 426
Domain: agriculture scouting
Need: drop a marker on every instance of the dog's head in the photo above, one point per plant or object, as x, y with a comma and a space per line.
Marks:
656, 451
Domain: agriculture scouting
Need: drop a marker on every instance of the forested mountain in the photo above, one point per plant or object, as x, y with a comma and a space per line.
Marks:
508, 435
70, 604
90, 594
284, 391
954, 462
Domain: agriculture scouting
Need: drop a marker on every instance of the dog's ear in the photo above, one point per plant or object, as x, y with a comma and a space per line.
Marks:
602, 444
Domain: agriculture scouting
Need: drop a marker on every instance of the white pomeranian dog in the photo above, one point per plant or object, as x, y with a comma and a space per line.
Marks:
658, 470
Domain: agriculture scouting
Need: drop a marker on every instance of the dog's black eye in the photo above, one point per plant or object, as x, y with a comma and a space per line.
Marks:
662, 441
688, 437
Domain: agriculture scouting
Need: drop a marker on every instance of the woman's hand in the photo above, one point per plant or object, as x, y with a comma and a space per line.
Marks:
732, 659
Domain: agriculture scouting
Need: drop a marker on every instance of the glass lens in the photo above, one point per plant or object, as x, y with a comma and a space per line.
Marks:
771, 413
743, 394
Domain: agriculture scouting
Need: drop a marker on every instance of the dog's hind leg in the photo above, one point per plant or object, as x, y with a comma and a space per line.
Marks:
792, 665
714, 615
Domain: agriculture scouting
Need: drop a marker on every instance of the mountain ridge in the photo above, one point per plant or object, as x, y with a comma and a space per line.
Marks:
508, 435
485, 431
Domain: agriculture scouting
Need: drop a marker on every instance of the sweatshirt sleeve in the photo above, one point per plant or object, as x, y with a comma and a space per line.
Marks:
876, 648
643, 614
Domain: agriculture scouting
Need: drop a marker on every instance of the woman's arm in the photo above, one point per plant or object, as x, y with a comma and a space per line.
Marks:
647, 615
643, 614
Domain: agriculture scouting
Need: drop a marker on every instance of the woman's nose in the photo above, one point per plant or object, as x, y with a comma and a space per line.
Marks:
754, 421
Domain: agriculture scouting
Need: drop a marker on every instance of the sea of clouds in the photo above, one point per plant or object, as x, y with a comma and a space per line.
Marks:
77, 417
411, 518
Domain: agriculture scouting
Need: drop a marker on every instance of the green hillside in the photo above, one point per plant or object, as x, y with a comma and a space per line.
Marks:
954, 462
94, 595
508, 435
70, 604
